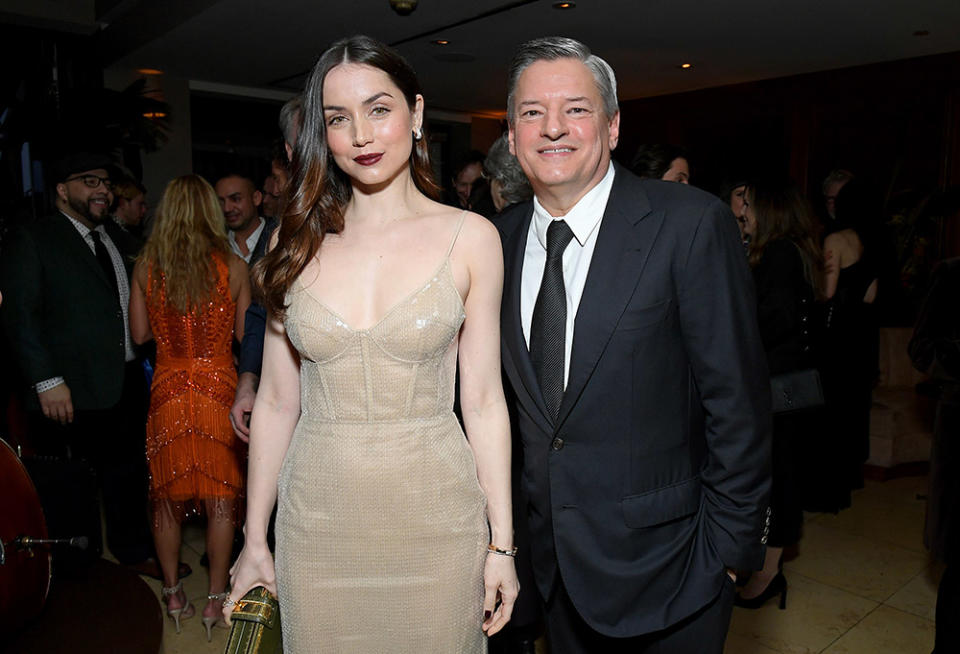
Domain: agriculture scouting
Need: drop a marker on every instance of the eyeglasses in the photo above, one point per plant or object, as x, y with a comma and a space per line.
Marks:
92, 181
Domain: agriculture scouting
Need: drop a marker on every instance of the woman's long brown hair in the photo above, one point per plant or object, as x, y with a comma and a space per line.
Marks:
319, 191
784, 213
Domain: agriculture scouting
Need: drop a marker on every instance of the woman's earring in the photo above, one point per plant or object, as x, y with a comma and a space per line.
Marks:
417, 134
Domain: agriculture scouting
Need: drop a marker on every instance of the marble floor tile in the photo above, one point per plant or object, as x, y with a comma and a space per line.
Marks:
919, 595
737, 644
854, 563
809, 517
194, 536
816, 615
887, 630
885, 518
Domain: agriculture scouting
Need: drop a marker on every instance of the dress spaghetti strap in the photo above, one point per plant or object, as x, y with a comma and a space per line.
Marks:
463, 215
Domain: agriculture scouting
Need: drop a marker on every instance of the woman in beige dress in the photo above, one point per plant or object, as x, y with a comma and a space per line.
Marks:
394, 531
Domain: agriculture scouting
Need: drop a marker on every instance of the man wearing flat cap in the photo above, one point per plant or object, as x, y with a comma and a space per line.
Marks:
65, 281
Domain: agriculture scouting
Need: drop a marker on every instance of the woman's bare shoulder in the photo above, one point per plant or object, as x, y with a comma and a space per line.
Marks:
235, 261
236, 265
842, 238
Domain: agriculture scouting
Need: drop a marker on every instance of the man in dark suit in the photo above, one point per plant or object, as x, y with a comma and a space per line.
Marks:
65, 279
630, 339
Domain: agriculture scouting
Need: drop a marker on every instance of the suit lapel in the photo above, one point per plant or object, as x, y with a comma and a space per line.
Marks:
515, 352
627, 233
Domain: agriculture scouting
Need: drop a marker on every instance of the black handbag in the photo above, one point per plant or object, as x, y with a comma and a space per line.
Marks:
255, 625
796, 391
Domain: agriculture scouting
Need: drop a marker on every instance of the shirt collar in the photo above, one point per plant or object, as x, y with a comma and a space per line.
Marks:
83, 229
255, 234
583, 217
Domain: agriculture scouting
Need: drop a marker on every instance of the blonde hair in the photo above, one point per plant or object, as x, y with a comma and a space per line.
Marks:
189, 228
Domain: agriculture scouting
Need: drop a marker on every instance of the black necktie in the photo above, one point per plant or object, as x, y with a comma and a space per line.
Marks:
549, 324
103, 257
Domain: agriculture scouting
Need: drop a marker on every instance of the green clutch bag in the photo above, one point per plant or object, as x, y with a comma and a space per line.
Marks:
255, 625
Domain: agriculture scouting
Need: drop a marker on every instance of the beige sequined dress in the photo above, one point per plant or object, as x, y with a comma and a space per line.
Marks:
381, 527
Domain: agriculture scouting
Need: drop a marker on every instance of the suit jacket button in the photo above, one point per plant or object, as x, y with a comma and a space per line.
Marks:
557, 443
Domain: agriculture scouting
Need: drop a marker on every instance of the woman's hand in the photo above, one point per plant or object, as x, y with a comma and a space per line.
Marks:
254, 567
502, 587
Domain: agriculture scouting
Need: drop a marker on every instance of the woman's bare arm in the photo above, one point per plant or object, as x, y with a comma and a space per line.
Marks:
240, 292
140, 331
484, 408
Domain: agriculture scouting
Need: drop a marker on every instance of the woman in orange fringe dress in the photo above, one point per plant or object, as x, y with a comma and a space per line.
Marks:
190, 292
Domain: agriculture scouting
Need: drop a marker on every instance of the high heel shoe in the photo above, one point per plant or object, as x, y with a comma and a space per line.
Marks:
209, 622
184, 612
777, 586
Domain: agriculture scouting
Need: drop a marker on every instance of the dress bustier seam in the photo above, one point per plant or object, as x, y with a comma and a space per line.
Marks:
321, 362
326, 397
402, 360
408, 402
367, 376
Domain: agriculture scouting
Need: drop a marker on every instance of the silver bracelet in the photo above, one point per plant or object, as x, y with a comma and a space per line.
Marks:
491, 548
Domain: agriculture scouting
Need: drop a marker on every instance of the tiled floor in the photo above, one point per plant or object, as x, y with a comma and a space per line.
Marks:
861, 584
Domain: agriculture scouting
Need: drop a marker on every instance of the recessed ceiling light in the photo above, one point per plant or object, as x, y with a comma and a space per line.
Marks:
922, 33
564, 5
686, 66
441, 42
149, 71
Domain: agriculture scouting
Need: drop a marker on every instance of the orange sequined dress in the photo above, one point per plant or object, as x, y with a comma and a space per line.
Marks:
191, 448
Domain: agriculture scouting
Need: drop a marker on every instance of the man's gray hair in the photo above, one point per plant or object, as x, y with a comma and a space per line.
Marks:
551, 48
504, 167
290, 119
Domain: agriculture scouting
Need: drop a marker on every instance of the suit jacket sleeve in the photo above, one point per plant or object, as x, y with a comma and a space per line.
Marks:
251, 347
22, 276
718, 320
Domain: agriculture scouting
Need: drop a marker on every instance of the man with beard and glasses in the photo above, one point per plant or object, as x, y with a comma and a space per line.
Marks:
65, 278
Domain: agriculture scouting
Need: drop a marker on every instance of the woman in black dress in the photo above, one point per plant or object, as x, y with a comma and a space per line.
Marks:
850, 347
786, 264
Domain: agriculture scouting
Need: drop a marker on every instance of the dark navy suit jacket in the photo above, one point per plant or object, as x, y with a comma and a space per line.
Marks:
655, 476
255, 319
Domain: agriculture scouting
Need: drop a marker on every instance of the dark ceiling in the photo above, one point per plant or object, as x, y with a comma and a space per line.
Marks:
271, 45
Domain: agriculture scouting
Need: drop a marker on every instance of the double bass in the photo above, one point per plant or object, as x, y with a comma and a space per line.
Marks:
25, 570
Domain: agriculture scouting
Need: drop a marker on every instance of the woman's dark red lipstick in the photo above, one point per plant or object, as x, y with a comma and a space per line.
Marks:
368, 159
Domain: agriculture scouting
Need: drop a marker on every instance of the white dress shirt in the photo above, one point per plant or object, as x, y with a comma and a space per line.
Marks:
251, 241
584, 221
